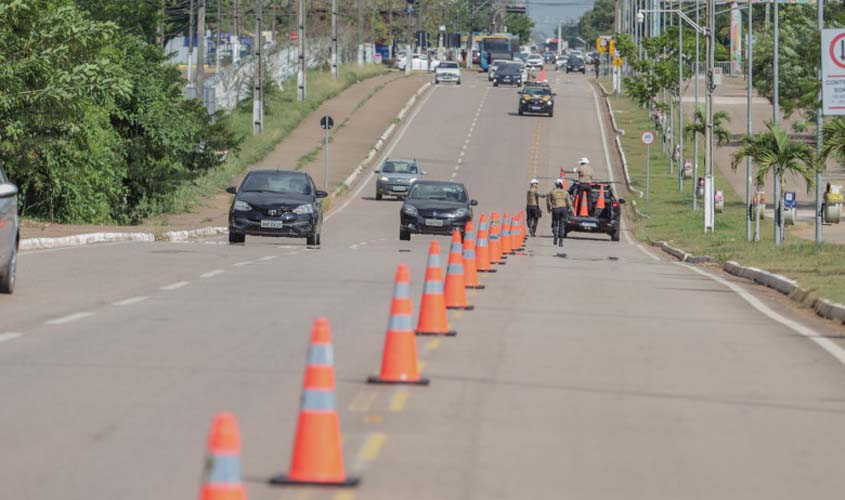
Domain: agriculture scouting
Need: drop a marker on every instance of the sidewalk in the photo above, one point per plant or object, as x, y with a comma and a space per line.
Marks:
361, 114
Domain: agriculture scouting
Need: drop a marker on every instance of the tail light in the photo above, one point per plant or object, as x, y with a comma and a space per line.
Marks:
615, 204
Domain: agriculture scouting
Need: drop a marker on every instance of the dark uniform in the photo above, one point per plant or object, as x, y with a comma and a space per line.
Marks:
559, 205
585, 180
532, 209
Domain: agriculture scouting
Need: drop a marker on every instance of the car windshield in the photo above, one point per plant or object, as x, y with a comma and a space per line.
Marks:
509, 69
277, 182
448, 64
399, 167
574, 59
445, 192
536, 91
497, 45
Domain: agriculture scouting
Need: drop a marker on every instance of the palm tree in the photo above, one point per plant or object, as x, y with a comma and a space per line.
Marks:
774, 152
697, 126
833, 140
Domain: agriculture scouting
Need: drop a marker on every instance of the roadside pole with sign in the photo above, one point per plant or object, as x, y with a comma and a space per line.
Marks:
648, 139
326, 123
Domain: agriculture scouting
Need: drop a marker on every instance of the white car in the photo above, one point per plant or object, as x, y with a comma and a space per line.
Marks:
491, 72
535, 61
419, 62
447, 71
9, 233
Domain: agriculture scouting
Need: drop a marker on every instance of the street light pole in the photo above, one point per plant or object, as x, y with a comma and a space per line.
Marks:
695, 112
334, 39
680, 133
710, 214
775, 119
300, 93
819, 124
749, 167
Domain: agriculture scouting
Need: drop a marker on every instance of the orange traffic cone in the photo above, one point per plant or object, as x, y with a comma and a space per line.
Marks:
543, 77
600, 203
516, 234
470, 271
507, 246
222, 475
317, 455
482, 250
433, 320
399, 363
455, 290
495, 244
584, 206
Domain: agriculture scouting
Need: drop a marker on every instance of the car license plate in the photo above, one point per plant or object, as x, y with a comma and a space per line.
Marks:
589, 225
400, 188
272, 224
536, 108
434, 222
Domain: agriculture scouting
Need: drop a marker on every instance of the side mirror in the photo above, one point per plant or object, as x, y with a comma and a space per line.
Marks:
321, 194
554, 94
232, 190
473, 203
621, 201
8, 190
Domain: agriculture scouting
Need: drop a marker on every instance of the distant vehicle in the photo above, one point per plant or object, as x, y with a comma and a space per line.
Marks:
589, 58
495, 66
500, 46
576, 53
534, 61
576, 64
447, 71
276, 203
537, 99
476, 57
419, 62
395, 178
508, 74
435, 207
9, 233
606, 220
549, 57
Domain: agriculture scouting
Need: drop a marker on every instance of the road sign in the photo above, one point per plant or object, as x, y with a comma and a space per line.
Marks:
833, 71
648, 138
326, 123
611, 47
617, 61
294, 36
601, 44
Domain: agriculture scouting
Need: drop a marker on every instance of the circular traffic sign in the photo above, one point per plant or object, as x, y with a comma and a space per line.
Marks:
836, 50
326, 123
648, 137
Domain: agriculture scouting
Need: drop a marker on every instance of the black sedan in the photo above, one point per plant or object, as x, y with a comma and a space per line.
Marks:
276, 203
575, 63
435, 207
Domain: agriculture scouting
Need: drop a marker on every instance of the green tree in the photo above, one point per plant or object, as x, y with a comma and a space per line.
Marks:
598, 21
719, 131
520, 25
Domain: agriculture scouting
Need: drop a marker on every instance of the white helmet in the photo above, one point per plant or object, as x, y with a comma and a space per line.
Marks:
559, 182
583, 161
535, 181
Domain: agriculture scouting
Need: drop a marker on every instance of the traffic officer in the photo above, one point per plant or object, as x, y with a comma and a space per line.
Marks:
532, 206
559, 205
585, 180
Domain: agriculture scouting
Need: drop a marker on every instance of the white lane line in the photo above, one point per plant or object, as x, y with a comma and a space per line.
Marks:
212, 274
9, 336
454, 174
174, 286
387, 153
244, 263
69, 318
457, 167
130, 301
828, 345
268, 257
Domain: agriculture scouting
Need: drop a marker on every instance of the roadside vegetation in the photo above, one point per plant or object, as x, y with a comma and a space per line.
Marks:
671, 218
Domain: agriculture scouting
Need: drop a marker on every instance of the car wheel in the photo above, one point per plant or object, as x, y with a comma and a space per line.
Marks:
551, 113
312, 240
614, 236
236, 237
520, 112
319, 239
404, 235
7, 280
436, 82
379, 196
459, 82
495, 84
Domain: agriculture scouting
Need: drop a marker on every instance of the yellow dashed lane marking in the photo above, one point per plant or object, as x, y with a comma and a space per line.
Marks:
397, 403
422, 365
372, 447
345, 495
433, 344
363, 401
373, 419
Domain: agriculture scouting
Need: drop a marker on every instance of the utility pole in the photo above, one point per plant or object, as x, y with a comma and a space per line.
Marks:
775, 120
680, 132
273, 12
709, 190
695, 113
300, 94
201, 50
236, 31
819, 125
334, 40
749, 166
217, 40
191, 45
360, 31
160, 27
258, 89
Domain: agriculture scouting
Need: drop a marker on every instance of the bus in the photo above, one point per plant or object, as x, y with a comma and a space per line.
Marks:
500, 46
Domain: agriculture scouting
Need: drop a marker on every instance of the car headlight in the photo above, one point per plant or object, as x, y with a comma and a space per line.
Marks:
526, 97
413, 180
547, 99
383, 179
410, 210
461, 212
304, 209
242, 206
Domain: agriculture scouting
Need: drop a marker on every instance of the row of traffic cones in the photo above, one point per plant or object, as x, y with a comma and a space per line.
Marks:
317, 457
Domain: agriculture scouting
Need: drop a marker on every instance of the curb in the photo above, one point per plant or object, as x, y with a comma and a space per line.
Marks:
610, 108
682, 255
380, 143
83, 239
193, 233
780, 283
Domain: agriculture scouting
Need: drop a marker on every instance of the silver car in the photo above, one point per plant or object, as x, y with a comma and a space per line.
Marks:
9, 233
395, 178
447, 71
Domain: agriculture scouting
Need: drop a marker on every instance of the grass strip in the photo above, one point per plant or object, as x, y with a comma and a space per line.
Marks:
819, 268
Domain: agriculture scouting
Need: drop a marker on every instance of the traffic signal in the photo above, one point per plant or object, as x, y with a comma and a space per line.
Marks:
422, 38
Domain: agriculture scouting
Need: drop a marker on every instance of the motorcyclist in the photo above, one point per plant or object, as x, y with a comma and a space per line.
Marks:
532, 206
559, 205
585, 179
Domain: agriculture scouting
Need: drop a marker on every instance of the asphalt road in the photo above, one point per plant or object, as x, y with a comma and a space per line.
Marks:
596, 371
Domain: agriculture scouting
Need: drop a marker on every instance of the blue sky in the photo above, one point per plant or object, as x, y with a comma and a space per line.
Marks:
547, 12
